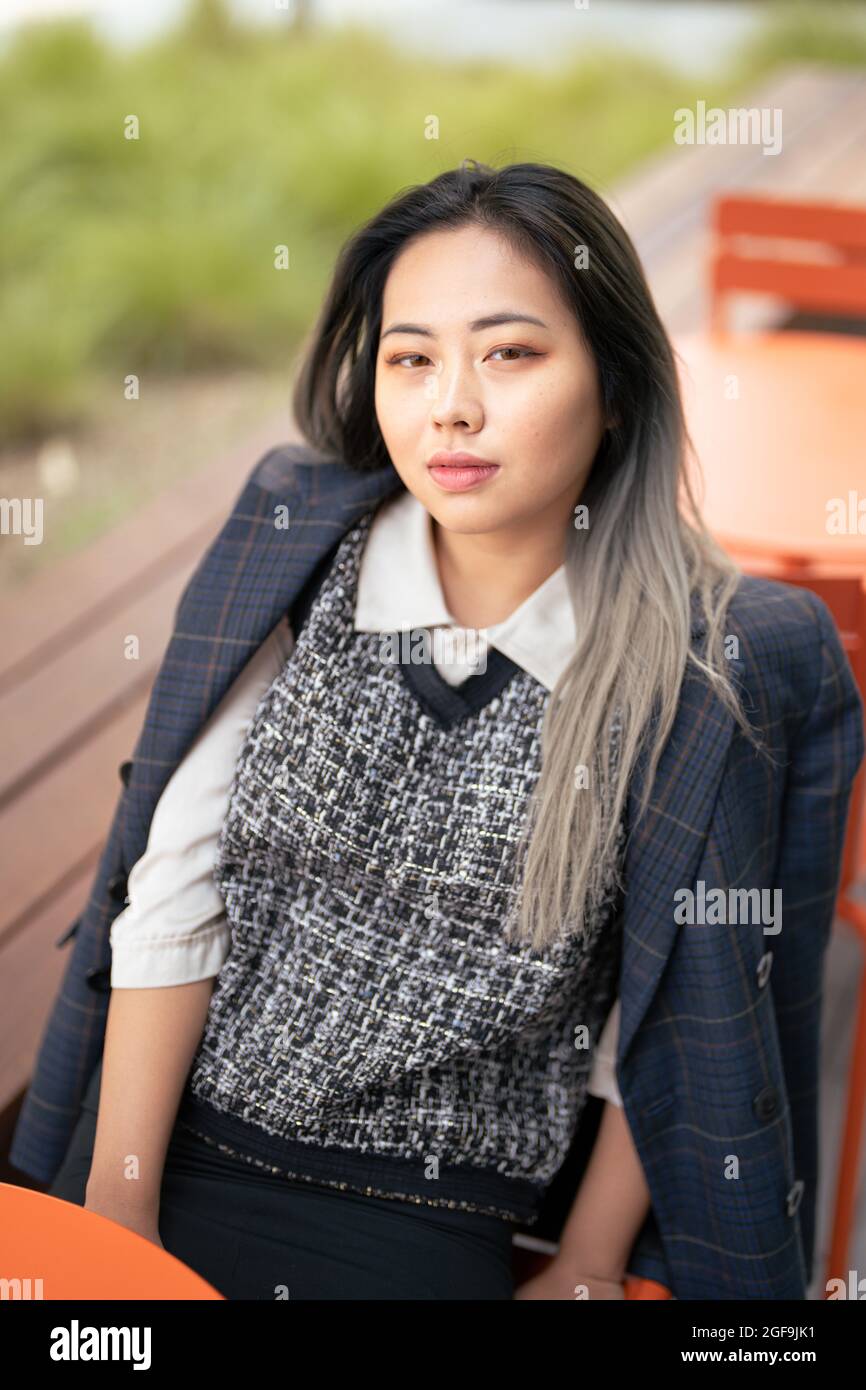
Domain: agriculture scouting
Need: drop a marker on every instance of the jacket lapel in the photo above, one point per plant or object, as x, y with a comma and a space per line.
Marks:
248, 578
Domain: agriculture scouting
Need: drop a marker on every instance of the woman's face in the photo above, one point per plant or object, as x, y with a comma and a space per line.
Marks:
523, 395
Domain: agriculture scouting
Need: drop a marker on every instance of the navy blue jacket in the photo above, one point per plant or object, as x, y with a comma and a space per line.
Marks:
718, 1051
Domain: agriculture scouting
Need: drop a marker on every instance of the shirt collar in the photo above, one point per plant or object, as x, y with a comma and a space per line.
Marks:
399, 588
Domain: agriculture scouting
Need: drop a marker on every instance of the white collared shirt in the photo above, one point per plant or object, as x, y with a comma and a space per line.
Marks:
174, 929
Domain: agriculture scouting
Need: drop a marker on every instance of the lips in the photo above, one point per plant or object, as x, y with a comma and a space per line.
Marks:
454, 478
443, 458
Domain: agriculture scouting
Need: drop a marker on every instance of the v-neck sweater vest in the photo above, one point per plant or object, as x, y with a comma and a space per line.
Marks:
371, 1028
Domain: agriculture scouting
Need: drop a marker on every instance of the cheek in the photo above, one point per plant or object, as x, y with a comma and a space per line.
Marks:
387, 415
400, 412
565, 414
560, 433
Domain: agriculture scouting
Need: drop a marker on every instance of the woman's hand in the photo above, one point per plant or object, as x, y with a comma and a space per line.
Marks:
561, 1280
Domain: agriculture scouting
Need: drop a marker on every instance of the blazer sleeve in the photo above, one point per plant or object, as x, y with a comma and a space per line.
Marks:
825, 751
174, 929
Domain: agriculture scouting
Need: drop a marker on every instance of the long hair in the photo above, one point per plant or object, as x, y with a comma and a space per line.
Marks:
633, 574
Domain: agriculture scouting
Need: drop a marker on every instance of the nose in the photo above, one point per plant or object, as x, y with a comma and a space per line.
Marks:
454, 400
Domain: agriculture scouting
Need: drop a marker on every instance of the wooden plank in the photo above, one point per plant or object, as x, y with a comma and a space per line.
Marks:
824, 119
34, 963
55, 825
97, 681
161, 539
668, 196
77, 646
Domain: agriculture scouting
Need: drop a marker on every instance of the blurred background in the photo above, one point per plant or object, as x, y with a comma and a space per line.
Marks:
260, 126
176, 180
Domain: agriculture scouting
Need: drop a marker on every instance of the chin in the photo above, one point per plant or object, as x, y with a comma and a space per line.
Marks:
466, 515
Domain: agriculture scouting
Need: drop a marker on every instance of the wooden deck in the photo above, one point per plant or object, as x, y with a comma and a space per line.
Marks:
72, 706
665, 205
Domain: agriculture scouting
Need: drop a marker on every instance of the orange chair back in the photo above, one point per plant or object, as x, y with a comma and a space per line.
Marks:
830, 279
845, 596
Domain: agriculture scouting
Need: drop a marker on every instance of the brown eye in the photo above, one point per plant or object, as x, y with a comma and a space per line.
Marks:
396, 360
522, 352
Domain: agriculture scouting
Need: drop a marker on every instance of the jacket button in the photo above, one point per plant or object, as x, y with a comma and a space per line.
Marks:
794, 1197
766, 1103
763, 971
70, 931
99, 979
125, 771
116, 887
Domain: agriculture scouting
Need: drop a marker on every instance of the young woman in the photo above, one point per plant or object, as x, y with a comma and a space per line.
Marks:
393, 891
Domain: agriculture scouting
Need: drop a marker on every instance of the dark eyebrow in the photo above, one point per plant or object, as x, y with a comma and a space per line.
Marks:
489, 321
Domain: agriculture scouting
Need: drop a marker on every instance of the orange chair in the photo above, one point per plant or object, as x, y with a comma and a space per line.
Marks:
644, 1288
831, 280
845, 596
51, 1249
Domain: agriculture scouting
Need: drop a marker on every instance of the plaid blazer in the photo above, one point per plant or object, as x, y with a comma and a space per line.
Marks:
718, 1049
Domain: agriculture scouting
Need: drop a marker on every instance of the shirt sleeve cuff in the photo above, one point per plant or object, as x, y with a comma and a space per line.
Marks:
602, 1082
602, 1078
142, 963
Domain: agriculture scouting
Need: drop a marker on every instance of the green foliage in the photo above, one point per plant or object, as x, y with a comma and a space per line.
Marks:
123, 255
797, 30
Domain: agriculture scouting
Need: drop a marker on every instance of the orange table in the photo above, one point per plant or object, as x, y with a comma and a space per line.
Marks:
75, 1254
778, 421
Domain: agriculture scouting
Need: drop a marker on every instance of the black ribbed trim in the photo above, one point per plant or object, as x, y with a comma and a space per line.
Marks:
514, 1198
448, 704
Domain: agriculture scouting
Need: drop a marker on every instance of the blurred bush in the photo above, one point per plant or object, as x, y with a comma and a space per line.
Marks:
121, 256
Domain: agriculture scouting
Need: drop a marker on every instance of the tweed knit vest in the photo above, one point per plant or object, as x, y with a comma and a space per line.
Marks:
371, 1029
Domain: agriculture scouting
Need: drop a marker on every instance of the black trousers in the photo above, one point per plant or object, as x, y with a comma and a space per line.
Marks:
253, 1235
